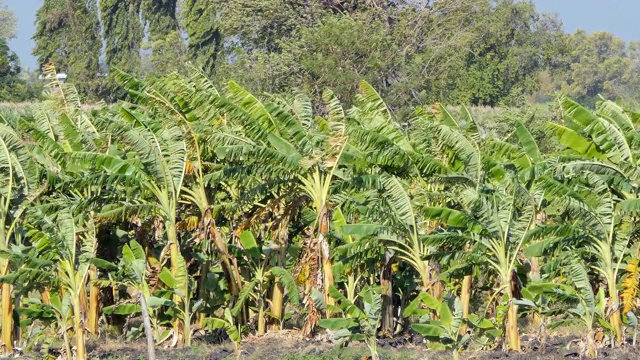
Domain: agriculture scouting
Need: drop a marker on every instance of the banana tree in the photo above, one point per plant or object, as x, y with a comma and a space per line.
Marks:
607, 146
359, 323
152, 166
593, 222
132, 272
74, 242
289, 156
191, 103
262, 275
497, 219
576, 299
456, 144
20, 185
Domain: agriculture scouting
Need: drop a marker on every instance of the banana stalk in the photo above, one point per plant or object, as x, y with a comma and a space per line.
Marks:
465, 297
7, 312
7, 319
173, 254
94, 302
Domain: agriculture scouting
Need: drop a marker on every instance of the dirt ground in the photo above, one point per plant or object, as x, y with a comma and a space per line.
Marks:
289, 345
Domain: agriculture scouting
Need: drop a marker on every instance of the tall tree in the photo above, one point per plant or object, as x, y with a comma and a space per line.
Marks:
68, 34
160, 17
123, 33
201, 25
9, 70
598, 64
168, 48
7, 22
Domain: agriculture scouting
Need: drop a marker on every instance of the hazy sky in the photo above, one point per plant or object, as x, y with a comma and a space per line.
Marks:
616, 16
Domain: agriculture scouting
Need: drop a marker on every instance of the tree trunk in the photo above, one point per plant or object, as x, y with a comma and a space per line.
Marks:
465, 297
174, 252
328, 282
435, 288
94, 302
151, 348
78, 328
67, 345
614, 319
229, 267
46, 296
616, 324
202, 291
387, 300
261, 319
277, 297
327, 270
325, 256
512, 327
7, 318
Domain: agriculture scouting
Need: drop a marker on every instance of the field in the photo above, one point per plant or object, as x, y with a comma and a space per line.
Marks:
208, 220
290, 346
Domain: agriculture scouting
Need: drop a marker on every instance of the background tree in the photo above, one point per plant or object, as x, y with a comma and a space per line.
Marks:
9, 73
123, 34
200, 22
598, 64
68, 34
7, 22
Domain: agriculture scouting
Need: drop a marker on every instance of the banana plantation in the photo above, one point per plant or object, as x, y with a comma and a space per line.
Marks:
210, 210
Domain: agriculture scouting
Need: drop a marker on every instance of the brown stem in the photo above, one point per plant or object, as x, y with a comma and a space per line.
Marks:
512, 327
202, 291
7, 319
174, 254
387, 300
277, 297
616, 324
78, 327
151, 349
465, 297
46, 296
94, 302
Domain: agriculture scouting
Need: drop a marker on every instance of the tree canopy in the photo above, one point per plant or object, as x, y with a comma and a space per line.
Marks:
480, 52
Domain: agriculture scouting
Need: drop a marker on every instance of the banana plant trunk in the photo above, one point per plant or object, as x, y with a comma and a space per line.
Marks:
174, 252
513, 335
7, 318
94, 302
151, 349
277, 297
7, 311
229, 263
261, 317
465, 297
46, 295
78, 328
615, 318
435, 288
328, 282
325, 256
512, 327
202, 290
387, 300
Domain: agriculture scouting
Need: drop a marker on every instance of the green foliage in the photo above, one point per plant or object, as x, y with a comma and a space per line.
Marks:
201, 25
123, 34
222, 209
68, 35
359, 323
7, 22
477, 52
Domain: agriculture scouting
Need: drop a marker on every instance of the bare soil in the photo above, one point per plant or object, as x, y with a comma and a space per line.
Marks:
289, 345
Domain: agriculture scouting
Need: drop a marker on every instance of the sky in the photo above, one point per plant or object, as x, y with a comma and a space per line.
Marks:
616, 16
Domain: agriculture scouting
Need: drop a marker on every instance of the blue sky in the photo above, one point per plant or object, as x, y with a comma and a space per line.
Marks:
616, 16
